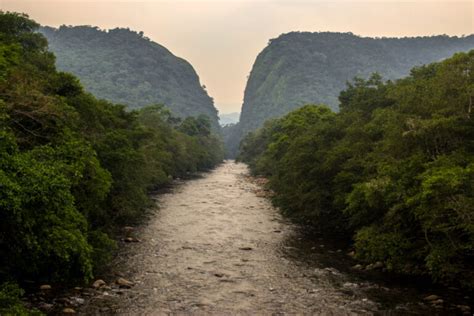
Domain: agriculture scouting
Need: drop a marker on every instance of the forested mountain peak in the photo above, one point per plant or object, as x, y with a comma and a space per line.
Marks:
126, 67
299, 68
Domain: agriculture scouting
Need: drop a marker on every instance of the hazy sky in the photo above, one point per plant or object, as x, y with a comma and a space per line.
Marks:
221, 39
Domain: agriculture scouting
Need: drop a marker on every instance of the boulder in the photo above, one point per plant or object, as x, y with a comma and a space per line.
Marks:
45, 287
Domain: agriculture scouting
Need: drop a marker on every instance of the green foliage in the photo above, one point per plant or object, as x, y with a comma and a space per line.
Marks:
392, 248
394, 168
10, 301
73, 168
103, 249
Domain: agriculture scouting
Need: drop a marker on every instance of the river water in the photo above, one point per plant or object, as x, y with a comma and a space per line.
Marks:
214, 246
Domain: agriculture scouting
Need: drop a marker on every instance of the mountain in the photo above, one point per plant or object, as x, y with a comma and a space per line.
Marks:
298, 68
301, 68
229, 118
126, 67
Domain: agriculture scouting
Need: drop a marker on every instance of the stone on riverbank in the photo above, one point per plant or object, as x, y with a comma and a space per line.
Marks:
431, 298
124, 283
358, 267
98, 283
68, 310
246, 248
131, 239
464, 309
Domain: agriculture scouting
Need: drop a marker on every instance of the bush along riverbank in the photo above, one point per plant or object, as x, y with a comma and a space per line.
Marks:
393, 170
74, 168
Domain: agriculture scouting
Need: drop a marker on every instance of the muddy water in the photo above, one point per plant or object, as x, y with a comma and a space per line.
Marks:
214, 247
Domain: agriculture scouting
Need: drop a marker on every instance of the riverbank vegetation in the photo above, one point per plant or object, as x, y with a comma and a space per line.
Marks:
74, 168
394, 169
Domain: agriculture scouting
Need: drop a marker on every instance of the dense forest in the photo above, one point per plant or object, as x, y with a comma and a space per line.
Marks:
123, 66
394, 169
74, 168
312, 68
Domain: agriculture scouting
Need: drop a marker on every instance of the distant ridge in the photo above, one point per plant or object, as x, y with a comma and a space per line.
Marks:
229, 118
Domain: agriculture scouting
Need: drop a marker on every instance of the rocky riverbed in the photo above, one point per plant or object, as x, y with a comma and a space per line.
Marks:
215, 245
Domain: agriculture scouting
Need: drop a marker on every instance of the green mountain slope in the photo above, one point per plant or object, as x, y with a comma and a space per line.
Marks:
125, 67
301, 68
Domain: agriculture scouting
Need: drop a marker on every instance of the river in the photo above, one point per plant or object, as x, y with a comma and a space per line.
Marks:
214, 246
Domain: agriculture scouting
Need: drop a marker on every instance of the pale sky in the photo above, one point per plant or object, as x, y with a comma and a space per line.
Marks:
221, 39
